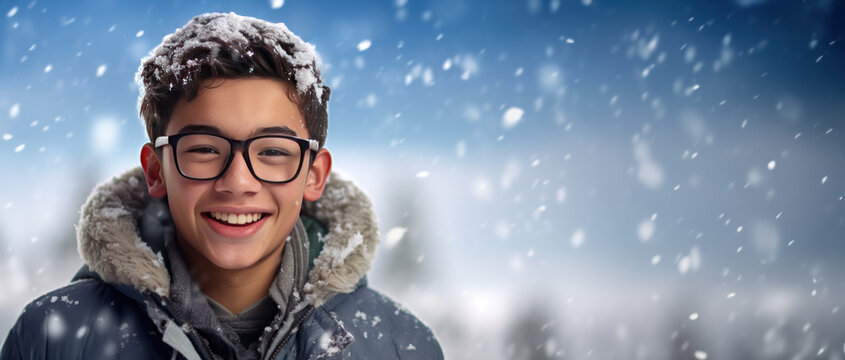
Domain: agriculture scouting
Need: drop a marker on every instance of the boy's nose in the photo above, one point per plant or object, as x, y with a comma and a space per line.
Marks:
237, 179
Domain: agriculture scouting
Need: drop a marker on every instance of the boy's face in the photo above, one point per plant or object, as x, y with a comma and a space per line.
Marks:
238, 109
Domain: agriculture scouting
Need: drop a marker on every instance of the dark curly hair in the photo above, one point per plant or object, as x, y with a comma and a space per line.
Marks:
230, 46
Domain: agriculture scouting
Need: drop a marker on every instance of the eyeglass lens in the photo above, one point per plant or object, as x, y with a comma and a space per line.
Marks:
204, 157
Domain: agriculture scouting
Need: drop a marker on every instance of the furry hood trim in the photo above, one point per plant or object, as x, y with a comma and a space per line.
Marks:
109, 240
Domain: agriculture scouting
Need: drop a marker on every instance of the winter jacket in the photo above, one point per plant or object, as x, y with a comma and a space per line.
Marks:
117, 306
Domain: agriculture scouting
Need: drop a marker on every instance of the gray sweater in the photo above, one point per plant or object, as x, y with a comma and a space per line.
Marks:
238, 336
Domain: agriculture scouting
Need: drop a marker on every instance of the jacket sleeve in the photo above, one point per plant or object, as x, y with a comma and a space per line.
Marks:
11, 346
412, 338
383, 329
87, 319
58, 325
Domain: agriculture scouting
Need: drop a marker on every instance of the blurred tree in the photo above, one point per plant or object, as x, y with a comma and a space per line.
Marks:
3, 236
65, 254
404, 259
533, 335
685, 334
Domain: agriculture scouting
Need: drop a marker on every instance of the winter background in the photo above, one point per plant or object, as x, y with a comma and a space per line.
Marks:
572, 179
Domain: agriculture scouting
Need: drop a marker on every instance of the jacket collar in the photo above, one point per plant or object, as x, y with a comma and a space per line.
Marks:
110, 243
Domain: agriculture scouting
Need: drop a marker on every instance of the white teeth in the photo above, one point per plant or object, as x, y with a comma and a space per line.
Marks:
238, 219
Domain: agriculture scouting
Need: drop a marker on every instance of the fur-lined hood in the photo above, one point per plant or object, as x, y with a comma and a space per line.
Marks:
110, 243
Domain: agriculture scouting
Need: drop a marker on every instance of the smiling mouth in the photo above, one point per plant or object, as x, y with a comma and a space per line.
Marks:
235, 219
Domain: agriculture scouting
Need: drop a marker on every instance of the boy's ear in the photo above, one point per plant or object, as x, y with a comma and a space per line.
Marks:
152, 172
317, 175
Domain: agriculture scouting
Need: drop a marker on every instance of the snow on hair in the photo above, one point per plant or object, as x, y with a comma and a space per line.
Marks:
230, 46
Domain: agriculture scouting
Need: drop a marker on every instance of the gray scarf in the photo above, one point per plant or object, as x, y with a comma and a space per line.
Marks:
241, 336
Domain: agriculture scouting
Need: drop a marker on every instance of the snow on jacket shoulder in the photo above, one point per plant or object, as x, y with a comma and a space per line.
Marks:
85, 320
119, 309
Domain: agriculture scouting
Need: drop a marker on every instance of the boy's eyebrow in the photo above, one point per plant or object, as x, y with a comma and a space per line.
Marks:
200, 129
272, 130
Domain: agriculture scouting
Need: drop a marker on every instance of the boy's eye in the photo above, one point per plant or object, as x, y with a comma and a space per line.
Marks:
274, 152
207, 149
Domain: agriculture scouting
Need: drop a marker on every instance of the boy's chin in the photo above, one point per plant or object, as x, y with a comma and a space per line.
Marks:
236, 263
239, 256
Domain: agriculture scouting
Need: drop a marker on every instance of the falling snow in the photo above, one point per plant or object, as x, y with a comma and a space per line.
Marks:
645, 230
511, 117
394, 236
14, 111
577, 238
364, 45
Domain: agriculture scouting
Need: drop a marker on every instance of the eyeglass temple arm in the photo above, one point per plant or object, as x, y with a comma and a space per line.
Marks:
161, 141
313, 144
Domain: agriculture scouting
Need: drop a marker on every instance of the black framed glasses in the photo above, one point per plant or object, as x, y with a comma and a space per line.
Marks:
274, 159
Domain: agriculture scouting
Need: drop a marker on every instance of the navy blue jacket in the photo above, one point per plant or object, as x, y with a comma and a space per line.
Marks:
116, 307
91, 319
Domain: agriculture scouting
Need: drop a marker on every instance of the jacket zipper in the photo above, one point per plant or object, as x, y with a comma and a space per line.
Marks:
209, 354
199, 339
203, 346
291, 331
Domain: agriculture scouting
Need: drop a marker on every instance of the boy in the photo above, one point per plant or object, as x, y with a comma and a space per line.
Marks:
234, 240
